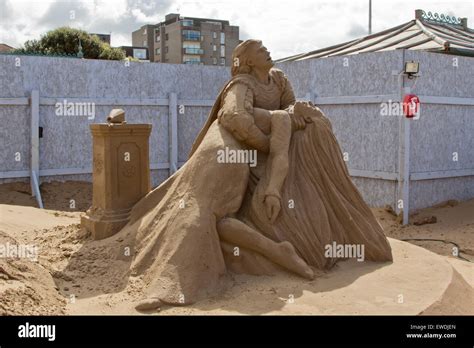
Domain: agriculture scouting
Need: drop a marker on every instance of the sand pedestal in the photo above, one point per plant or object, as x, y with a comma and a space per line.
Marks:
121, 175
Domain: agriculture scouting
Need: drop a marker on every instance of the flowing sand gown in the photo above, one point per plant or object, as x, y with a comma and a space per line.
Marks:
177, 246
173, 228
320, 203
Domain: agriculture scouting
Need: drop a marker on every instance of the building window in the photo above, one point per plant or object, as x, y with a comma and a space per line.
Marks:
214, 35
214, 48
193, 60
166, 36
157, 38
191, 45
139, 53
222, 61
144, 43
192, 48
222, 51
222, 38
191, 35
214, 61
166, 49
157, 51
144, 31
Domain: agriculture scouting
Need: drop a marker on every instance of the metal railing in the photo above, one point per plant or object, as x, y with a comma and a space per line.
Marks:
192, 62
192, 50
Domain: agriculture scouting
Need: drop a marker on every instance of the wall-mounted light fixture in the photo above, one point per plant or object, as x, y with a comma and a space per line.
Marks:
411, 69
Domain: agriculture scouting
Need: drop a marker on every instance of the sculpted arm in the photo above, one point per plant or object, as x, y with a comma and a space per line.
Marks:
252, 126
236, 115
287, 96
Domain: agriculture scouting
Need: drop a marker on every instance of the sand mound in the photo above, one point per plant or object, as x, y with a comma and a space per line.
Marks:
454, 227
26, 287
55, 195
83, 267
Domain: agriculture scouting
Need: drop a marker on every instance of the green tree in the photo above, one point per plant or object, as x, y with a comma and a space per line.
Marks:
65, 41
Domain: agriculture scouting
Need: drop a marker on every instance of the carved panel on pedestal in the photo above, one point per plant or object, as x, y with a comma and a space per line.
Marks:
129, 174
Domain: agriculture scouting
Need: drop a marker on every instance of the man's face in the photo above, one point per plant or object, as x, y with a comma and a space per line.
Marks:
260, 57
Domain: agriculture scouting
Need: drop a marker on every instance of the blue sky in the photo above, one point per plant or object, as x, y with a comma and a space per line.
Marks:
286, 26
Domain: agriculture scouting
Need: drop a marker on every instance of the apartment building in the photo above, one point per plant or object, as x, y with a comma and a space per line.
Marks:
188, 40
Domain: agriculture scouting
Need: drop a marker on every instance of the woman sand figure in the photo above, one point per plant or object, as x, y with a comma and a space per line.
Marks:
186, 230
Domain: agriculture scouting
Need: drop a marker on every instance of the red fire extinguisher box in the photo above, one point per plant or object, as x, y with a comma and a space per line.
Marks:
411, 106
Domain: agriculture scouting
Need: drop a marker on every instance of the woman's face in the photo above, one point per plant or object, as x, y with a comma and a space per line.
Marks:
260, 57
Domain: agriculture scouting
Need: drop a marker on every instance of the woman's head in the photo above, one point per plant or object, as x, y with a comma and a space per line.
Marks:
248, 55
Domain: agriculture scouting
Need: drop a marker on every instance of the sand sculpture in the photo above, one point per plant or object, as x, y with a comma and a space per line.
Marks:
121, 173
212, 217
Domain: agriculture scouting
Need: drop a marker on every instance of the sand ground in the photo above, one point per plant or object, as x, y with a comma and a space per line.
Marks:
45, 287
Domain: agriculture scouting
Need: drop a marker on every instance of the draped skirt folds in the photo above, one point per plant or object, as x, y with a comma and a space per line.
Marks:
320, 204
173, 228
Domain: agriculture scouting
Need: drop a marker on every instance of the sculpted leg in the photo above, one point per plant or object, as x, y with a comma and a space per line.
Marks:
237, 233
247, 261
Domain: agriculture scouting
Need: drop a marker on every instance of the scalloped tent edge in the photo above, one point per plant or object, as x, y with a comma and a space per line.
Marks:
427, 32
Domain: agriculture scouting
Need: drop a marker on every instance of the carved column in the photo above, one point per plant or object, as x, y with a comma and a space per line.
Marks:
121, 175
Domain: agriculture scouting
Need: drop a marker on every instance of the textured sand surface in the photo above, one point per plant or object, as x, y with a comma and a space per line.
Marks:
72, 274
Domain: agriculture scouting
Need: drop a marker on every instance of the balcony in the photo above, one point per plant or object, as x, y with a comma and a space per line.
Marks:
188, 26
191, 37
187, 23
192, 62
192, 50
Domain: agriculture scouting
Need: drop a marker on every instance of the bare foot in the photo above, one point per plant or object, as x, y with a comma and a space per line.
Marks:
149, 304
293, 262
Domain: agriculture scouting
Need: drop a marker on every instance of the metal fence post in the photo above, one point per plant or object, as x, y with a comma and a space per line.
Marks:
34, 147
406, 170
403, 153
173, 133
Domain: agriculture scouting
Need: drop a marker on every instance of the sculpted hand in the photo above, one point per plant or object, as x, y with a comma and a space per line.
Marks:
299, 121
272, 207
303, 112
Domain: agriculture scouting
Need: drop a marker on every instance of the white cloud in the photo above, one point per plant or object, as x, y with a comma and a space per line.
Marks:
286, 26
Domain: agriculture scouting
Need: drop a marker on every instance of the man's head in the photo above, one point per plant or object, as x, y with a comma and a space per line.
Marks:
249, 55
